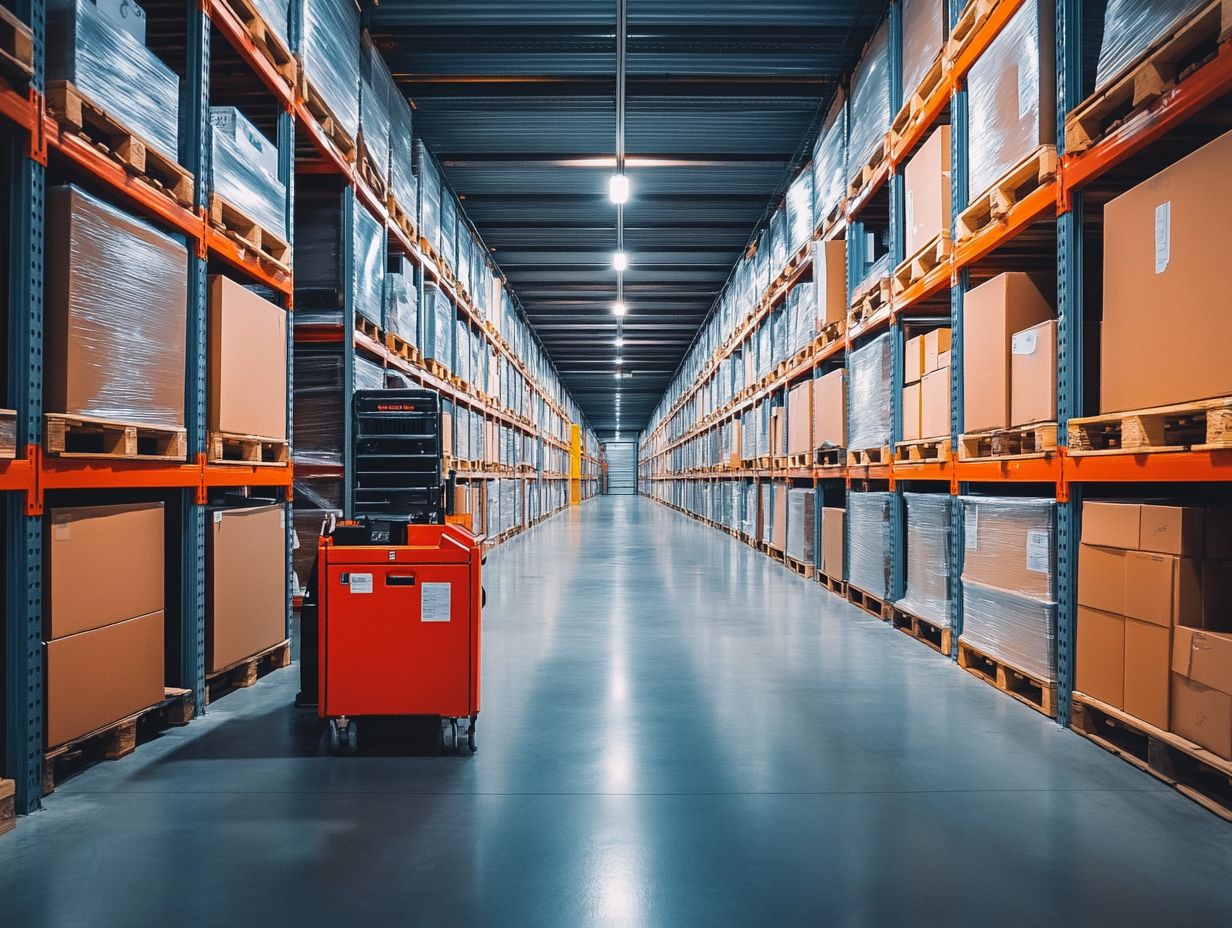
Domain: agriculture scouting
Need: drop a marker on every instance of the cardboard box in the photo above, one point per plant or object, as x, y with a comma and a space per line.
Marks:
105, 564
935, 403
1163, 588
832, 535
911, 412
1166, 244
1101, 578
245, 584
992, 312
1203, 715
945, 359
1216, 596
115, 314
830, 282
248, 362
830, 411
926, 181
1033, 374
1099, 671
103, 675
800, 418
1157, 527
778, 529
936, 349
1148, 655
1112, 525
913, 360
737, 438
1009, 545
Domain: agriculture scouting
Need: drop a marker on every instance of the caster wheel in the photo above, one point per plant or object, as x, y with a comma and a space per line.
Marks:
470, 737
352, 738
335, 738
449, 735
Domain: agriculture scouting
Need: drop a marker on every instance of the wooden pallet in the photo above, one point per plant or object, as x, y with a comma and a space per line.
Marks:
77, 113
833, 584
369, 171
119, 739
796, 460
775, 552
272, 46
236, 224
868, 457
16, 58
1204, 425
87, 437
994, 204
832, 219
922, 451
245, 673
400, 347
803, 569
937, 637
1156, 71
1017, 443
1191, 769
369, 328
913, 107
321, 112
867, 173
8, 806
437, 369
831, 333
230, 448
404, 221
1028, 689
868, 305
829, 457
973, 15
875, 606
933, 255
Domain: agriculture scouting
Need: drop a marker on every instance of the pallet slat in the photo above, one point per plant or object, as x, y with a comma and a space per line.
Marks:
230, 448
1201, 425
922, 451
16, 46
993, 205
236, 223
875, 606
87, 437
1022, 441
935, 635
933, 255
1028, 689
248, 671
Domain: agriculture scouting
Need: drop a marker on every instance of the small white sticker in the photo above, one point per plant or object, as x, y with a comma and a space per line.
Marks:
971, 528
282, 518
436, 605
1163, 236
911, 209
1039, 558
361, 583
217, 516
61, 531
1025, 343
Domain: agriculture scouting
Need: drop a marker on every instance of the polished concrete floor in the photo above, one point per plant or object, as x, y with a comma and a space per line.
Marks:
676, 731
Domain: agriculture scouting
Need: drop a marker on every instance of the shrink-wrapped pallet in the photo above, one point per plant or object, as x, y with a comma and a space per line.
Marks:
322, 252
830, 160
869, 542
929, 574
868, 395
329, 55
1133, 26
801, 523
870, 103
438, 326
376, 91
800, 220
244, 170
428, 180
403, 184
401, 301
924, 23
276, 15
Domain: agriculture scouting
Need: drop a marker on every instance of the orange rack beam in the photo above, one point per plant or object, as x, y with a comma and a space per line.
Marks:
224, 19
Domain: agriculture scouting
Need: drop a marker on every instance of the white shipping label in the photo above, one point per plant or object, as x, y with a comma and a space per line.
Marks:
971, 528
436, 602
910, 210
1163, 236
217, 516
1039, 552
361, 583
1025, 342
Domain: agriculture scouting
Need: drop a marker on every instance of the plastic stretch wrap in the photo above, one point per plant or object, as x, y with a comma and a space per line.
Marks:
1011, 96
923, 37
429, 183
318, 408
321, 253
870, 102
402, 306
1008, 544
802, 305
115, 70
447, 241
275, 14
875, 271
748, 436
329, 53
462, 350
799, 212
763, 428
830, 160
929, 573
766, 522
1015, 629
868, 542
402, 182
244, 170
369, 266
779, 243
779, 332
116, 314
442, 322
376, 90
1131, 27
868, 395
801, 523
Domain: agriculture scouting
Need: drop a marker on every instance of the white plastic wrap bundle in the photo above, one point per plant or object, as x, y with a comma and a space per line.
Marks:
868, 395
275, 14
1131, 27
762, 412
868, 542
461, 350
428, 179
802, 303
438, 326
870, 102
799, 212
447, 239
748, 435
369, 266
923, 37
108, 63
779, 331
830, 160
402, 304
777, 231
765, 347
1008, 581
244, 170
329, 53
1010, 118
801, 512
376, 90
929, 573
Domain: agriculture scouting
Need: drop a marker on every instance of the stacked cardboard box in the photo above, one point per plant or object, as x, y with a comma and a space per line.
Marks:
800, 418
245, 589
926, 394
801, 521
830, 282
1153, 579
104, 622
832, 541
926, 182
830, 410
248, 362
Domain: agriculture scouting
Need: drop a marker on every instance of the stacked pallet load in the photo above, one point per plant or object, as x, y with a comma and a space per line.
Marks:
924, 610
246, 198
926, 182
869, 551
868, 402
926, 397
328, 52
829, 168
924, 66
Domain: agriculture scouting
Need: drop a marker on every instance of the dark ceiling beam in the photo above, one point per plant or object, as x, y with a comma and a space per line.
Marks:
429, 88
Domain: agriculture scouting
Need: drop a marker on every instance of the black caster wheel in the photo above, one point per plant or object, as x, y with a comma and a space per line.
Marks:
449, 735
470, 737
352, 738
335, 738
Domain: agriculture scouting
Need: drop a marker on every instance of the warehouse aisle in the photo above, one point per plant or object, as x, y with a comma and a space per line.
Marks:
676, 731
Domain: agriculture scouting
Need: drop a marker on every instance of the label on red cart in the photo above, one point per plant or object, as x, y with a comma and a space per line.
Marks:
436, 602
358, 583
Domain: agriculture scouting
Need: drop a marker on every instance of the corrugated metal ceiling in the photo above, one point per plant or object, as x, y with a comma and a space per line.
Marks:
510, 95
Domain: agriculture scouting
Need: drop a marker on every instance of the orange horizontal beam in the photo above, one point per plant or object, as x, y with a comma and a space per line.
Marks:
1032, 208
1164, 466
227, 22
18, 106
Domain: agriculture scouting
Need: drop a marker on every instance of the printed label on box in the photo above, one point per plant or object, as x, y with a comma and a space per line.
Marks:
436, 602
361, 583
1163, 236
1025, 343
971, 525
1038, 552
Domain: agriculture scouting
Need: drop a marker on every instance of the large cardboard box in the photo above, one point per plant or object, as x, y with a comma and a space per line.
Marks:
115, 314
1202, 688
105, 564
935, 403
1033, 374
832, 535
830, 279
1166, 245
100, 676
1163, 588
936, 349
1101, 578
1009, 545
1147, 659
927, 185
911, 412
830, 411
245, 587
1158, 527
1100, 656
913, 360
248, 362
992, 312
800, 418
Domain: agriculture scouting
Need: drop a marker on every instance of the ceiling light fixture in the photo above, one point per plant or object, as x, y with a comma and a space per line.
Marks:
620, 342
619, 308
618, 189
620, 261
